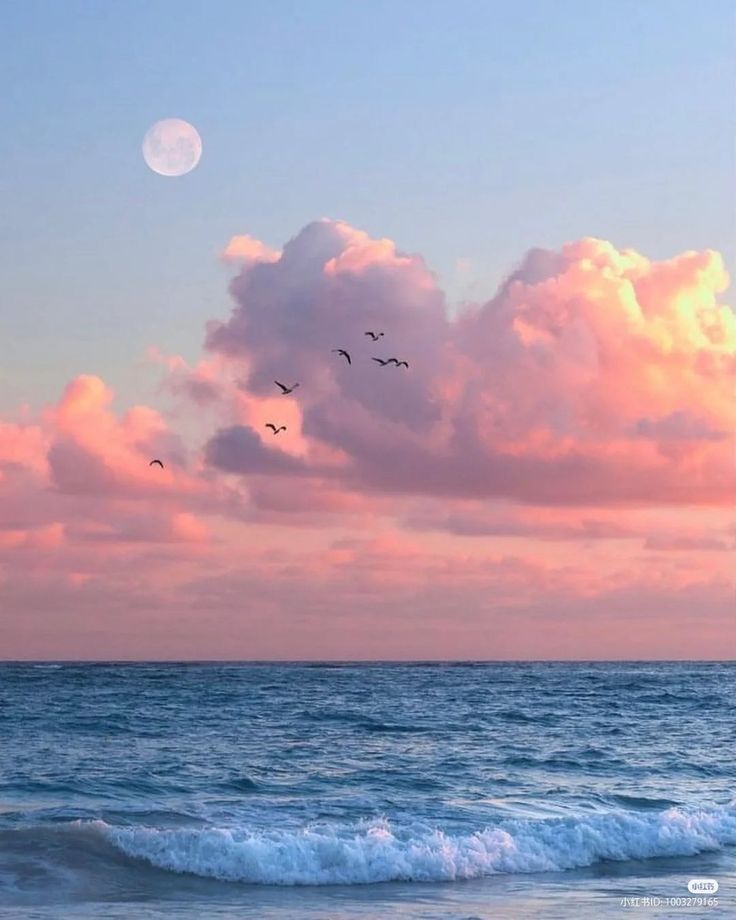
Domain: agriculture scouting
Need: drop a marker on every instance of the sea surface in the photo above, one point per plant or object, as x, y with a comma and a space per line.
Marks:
461, 791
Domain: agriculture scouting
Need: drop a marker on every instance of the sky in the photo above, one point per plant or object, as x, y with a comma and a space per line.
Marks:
534, 202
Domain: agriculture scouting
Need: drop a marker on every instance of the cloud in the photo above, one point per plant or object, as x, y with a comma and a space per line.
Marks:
180, 527
93, 451
376, 597
594, 376
21, 446
240, 450
246, 250
539, 523
464, 506
677, 426
684, 543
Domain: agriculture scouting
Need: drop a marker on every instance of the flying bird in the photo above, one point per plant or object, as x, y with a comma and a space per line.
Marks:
374, 335
284, 389
397, 362
341, 351
156, 461
380, 361
274, 428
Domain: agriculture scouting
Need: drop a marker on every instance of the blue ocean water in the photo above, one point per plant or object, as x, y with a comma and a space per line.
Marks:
353, 790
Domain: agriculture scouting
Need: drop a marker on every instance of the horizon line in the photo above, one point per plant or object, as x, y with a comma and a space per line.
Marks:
366, 661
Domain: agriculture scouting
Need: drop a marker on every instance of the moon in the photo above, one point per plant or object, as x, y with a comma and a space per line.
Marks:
172, 147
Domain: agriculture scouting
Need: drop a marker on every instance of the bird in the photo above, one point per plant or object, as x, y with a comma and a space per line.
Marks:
397, 362
380, 361
341, 351
156, 461
374, 335
274, 428
284, 389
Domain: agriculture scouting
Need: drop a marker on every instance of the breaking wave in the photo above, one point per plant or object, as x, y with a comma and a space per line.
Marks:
379, 852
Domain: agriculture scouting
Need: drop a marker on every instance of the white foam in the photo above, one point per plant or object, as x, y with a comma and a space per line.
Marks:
377, 852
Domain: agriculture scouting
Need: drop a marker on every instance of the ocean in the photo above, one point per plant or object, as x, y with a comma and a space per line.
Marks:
461, 791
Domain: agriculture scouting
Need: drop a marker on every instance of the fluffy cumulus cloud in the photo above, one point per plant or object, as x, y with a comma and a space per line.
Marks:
594, 376
245, 250
553, 463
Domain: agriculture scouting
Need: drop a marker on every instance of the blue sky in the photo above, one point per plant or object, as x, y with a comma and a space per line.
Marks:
472, 130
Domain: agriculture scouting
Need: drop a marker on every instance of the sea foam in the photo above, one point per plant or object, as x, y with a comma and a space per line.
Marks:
380, 852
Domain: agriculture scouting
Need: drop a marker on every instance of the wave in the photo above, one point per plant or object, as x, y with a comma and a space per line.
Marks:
360, 721
377, 852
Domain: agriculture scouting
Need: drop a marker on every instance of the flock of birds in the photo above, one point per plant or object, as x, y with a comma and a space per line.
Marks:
341, 352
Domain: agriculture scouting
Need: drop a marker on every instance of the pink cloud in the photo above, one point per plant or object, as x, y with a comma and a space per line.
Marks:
594, 376
179, 527
377, 597
92, 450
684, 543
22, 446
434, 511
245, 250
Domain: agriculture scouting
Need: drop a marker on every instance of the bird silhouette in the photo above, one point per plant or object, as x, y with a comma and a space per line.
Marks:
375, 336
341, 351
397, 362
284, 389
380, 361
274, 428
156, 461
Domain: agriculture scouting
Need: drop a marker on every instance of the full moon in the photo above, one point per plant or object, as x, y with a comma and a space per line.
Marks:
172, 147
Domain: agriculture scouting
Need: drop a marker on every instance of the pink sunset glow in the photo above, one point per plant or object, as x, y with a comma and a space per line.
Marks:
552, 477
